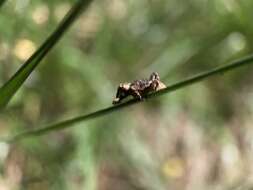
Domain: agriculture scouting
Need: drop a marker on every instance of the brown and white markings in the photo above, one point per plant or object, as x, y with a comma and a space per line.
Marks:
139, 88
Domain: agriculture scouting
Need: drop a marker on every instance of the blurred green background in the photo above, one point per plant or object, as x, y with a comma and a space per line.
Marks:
199, 137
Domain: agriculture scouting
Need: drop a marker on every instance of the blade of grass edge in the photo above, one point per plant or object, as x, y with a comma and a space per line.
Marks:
194, 79
16, 81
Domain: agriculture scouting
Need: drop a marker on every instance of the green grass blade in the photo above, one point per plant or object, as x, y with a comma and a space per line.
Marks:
178, 85
16, 81
2, 2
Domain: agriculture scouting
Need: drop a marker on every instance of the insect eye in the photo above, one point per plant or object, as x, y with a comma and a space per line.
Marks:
154, 76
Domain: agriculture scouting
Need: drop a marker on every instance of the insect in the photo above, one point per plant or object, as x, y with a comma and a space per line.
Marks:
138, 88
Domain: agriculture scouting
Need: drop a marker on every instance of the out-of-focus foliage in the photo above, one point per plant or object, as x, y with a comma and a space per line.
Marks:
8, 90
196, 138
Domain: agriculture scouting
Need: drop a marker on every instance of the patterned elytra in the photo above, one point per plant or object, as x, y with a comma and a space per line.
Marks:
139, 88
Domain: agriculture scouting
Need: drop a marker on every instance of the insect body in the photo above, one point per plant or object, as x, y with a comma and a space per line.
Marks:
139, 88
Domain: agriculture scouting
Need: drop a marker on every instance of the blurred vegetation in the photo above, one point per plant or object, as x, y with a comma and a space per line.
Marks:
196, 138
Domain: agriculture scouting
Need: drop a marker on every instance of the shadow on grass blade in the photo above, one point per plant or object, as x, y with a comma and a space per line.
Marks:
16, 81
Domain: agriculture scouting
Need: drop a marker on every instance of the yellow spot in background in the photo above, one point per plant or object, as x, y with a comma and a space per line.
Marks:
40, 14
61, 10
23, 49
117, 9
173, 168
231, 5
236, 41
89, 24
